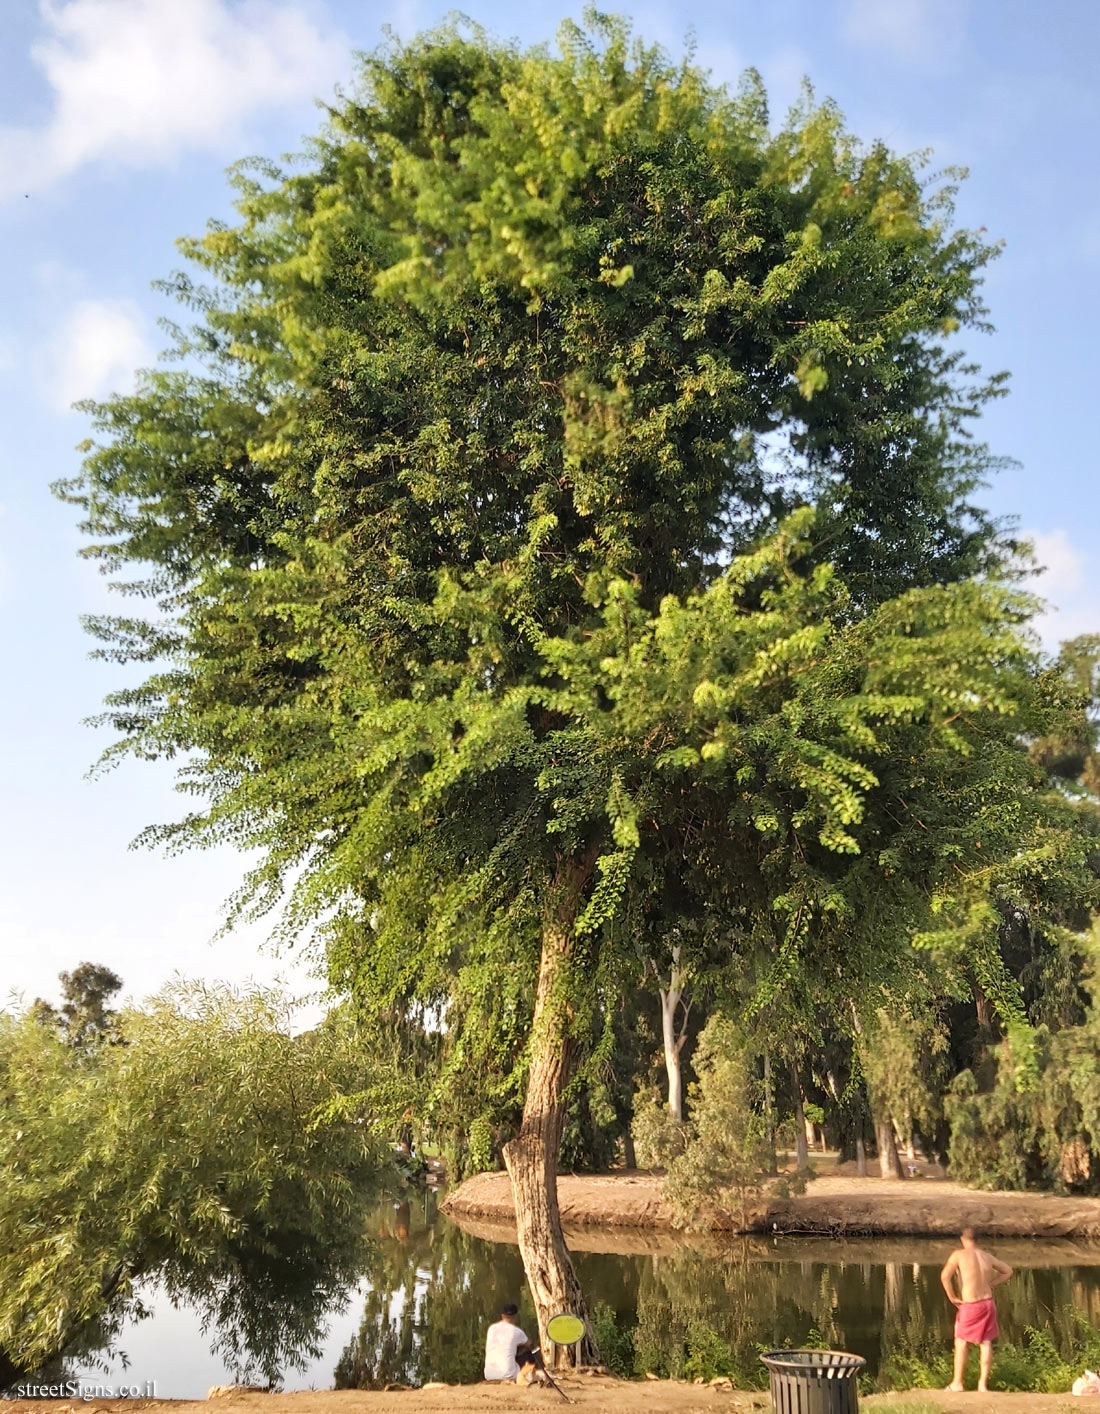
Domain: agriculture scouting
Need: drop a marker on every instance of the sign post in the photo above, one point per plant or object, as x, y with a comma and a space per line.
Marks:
566, 1329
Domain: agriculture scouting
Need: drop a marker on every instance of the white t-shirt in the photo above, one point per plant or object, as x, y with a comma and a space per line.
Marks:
502, 1340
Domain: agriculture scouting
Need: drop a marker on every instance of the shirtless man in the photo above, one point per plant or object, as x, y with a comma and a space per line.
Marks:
976, 1322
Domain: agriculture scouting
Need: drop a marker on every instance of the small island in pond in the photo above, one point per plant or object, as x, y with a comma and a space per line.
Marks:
832, 1206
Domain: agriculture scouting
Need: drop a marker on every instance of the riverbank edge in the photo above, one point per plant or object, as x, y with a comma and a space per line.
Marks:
626, 1396
831, 1207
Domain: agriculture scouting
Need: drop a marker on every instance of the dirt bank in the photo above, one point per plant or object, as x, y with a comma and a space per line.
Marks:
1019, 1252
614, 1396
832, 1206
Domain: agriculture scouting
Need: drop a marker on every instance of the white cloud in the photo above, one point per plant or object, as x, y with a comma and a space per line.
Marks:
136, 82
907, 29
95, 351
1067, 586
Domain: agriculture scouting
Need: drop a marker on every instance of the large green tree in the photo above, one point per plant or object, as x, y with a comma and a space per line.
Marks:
213, 1153
84, 1018
485, 391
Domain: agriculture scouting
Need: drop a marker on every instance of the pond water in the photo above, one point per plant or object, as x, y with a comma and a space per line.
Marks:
666, 1301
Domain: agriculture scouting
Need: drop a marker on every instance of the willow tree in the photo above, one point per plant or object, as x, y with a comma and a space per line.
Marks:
521, 333
212, 1152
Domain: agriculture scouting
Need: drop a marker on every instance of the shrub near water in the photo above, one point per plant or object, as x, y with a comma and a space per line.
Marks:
615, 1343
717, 1161
1035, 1364
665, 1343
659, 1137
1037, 1125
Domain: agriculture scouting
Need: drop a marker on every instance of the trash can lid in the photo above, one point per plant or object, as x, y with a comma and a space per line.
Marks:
826, 1364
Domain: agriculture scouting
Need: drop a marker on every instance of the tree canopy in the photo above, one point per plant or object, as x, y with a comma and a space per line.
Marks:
489, 603
84, 1018
210, 1153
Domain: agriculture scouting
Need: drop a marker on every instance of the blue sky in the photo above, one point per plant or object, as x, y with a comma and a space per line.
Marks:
117, 119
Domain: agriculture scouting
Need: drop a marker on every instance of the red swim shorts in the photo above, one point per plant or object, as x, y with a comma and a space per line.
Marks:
976, 1321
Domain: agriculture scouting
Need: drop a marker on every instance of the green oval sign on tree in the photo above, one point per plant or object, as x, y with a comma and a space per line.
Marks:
565, 1328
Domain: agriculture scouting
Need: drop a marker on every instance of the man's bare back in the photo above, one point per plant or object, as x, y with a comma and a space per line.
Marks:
977, 1272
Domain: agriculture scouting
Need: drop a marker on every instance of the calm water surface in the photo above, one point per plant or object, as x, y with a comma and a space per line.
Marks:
422, 1306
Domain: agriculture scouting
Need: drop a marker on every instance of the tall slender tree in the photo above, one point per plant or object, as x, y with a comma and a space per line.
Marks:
484, 394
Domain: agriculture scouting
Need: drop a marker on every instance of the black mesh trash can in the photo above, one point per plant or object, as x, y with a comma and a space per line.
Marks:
814, 1381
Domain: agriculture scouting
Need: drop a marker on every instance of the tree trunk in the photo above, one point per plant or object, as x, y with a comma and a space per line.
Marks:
802, 1156
769, 1113
983, 1009
673, 1039
630, 1159
531, 1158
861, 1157
888, 1162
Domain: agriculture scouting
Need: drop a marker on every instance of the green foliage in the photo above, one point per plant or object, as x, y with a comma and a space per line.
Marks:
1038, 1363
1042, 1130
1070, 752
560, 518
202, 1154
903, 1055
614, 1342
706, 1355
590, 1140
501, 364
721, 1169
993, 1137
659, 1137
83, 1019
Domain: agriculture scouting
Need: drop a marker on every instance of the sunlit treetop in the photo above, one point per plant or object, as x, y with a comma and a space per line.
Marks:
525, 343
576, 310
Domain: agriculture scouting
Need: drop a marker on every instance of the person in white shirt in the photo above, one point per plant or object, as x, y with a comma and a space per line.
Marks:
502, 1340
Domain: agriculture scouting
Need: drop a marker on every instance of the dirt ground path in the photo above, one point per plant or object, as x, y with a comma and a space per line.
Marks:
834, 1205
613, 1396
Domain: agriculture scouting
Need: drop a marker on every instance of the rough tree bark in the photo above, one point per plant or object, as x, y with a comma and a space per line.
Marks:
674, 1035
889, 1164
531, 1158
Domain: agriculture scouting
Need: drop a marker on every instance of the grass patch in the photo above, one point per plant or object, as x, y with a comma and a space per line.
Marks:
1034, 1364
911, 1406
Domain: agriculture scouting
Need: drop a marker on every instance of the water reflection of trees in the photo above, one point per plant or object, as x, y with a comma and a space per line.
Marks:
434, 1289
429, 1288
893, 1314
432, 1292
